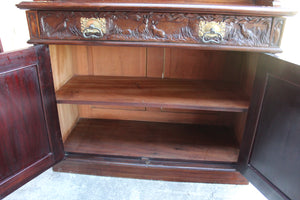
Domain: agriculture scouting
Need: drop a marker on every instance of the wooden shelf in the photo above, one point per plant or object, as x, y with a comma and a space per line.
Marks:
153, 92
153, 140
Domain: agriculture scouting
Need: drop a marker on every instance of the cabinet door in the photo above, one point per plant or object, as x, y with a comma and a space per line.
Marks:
30, 140
270, 153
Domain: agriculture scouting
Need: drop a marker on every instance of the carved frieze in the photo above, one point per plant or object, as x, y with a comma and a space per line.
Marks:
162, 27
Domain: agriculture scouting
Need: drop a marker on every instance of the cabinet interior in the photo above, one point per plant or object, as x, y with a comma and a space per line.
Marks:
166, 103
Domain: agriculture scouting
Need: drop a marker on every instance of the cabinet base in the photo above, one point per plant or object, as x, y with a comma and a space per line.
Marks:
145, 168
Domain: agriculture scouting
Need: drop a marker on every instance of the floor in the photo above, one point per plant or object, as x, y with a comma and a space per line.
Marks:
65, 186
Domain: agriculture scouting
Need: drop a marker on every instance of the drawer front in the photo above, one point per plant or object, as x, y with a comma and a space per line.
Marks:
218, 30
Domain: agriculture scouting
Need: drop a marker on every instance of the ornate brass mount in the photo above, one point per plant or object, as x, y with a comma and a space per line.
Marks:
212, 32
93, 27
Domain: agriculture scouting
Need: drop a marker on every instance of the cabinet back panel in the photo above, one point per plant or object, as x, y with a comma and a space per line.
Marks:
70, 60
156, 115
154, 62
112, 61
248, 72
109, 61
203, 65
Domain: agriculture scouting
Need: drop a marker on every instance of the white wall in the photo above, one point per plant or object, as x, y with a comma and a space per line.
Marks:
291, 36
13, 26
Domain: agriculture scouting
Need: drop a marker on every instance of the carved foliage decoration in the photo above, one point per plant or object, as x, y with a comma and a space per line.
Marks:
158, 27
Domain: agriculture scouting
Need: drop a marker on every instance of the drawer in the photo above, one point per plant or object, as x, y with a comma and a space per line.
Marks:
155, 28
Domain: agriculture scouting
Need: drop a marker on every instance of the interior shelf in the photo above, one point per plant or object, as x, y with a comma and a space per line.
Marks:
154, 92
153, 140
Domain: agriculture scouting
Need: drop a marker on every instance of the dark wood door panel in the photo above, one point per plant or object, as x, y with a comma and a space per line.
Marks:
270, 153
276, 152
22, 121
29, 140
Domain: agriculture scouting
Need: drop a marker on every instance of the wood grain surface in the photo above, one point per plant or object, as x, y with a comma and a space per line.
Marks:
161, 5
222, 2
156, 114
152, 92
248, 31
30, 140
153, 140
62, 65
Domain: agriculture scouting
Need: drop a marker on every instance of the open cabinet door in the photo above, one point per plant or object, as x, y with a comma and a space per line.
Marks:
270, 153
30, 139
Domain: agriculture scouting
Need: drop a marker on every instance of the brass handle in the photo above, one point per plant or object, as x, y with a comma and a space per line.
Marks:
212, 32
93, 27
212, 36
92, 32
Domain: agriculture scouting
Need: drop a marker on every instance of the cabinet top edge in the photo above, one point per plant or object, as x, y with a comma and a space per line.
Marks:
160, 7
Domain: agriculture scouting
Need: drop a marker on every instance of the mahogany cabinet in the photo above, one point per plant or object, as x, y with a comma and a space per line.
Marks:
175, 91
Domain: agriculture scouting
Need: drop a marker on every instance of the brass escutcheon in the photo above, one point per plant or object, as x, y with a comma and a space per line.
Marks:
93, 27
212, 32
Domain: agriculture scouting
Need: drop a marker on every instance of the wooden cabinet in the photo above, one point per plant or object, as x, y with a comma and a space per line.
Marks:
270, 153
202, 113
30, 134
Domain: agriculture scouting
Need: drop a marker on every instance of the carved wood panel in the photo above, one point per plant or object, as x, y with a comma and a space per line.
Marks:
159, 27
33, 26
277, 28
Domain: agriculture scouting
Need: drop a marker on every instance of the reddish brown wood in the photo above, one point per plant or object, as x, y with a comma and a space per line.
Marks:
153, 140
33, 24
161, 7
153, 92
264, 2
212, 2
1, 47
29, 143
184, 28
20, 91
270, 150
158, 44
221, 2
156, 114
49, 101
203, 65
156, 27
151, 169
155, 62
11, 59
